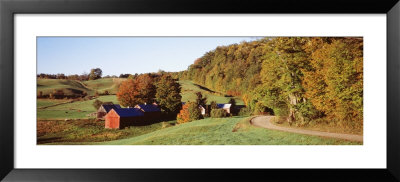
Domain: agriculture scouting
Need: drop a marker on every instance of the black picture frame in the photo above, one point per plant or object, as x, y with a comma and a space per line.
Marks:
8, 8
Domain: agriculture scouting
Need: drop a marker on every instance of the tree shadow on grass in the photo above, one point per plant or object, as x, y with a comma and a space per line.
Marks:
47, 140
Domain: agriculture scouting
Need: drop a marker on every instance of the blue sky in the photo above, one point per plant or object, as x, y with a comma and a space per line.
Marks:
116, 55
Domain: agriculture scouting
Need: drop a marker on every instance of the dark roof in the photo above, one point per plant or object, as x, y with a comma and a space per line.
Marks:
108, 107
149, 108
129, 112
224, 105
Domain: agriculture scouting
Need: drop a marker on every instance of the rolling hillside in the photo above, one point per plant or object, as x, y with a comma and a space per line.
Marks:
209, 131
69, 109
189, 90
223, 131
79, 109
104, 84
70, 87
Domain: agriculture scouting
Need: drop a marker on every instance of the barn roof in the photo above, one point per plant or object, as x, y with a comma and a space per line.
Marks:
129, 112
149, 108
224, 106
108, 107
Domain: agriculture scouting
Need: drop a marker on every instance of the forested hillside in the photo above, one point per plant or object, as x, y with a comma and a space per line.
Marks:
306, 79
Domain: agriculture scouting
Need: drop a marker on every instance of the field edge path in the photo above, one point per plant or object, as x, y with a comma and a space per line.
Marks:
264, 122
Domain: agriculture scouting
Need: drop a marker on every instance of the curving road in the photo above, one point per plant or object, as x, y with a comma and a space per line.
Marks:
264, 122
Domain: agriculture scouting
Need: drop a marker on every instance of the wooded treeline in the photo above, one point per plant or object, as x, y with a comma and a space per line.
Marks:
307, 79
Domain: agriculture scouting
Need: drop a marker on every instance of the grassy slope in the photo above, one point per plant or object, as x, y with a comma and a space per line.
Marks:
47, 86
49, 102
104, 84
189, 89
74, 110
68, 86
50, 132
221, 132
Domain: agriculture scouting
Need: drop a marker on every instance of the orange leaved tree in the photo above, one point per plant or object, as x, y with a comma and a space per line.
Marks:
136, 91
190, 112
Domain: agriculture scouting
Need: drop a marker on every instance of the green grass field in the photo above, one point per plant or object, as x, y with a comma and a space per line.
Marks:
82, 130
49, 102
104, 84
189, 90
69, 87
73, 110
222, 131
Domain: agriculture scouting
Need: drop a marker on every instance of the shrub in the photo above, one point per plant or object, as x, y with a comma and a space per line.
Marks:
96, 94
213, 105
218, 113
245, 111
58, 94
40, 94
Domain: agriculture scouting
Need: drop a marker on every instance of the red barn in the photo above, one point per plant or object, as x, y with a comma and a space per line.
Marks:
121, 118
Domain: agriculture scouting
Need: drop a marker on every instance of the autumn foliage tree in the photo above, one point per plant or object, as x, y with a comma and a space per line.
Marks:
136, 91
334, 83
146, 87
281, 76
168, 95
183, 116
190, 112
303, 78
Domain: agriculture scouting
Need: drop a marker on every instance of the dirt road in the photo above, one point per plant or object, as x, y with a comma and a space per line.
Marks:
264, 122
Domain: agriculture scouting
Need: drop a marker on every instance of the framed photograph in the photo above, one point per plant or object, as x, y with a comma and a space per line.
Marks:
127, 90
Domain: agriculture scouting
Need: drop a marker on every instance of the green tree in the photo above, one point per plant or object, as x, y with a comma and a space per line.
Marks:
232, 101
282, 73
168, 95
194, 111
200, 100
213, 105
95, 74
97, 104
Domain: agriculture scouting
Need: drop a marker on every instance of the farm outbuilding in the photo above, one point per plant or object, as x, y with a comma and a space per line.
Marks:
105, 108
226, 107
121, 118
151, 112
202, 110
